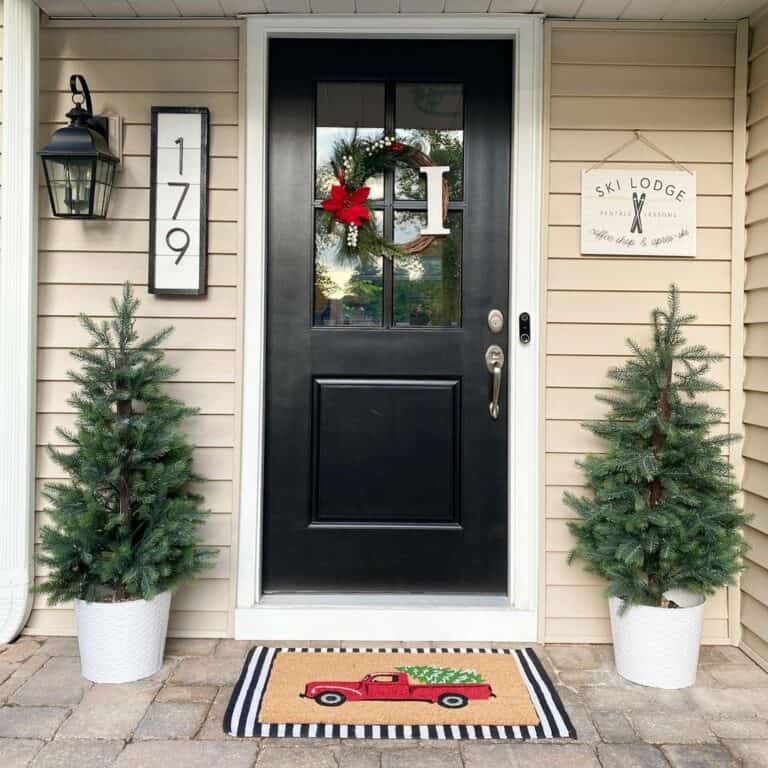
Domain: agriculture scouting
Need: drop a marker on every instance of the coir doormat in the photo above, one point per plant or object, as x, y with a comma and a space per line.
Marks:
396, 693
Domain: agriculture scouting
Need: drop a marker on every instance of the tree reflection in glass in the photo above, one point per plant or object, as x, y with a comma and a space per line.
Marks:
431, 116
427, 286
345, 110
347, 291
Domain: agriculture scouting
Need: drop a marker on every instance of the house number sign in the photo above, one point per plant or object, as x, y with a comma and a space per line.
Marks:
638, 212
178, 201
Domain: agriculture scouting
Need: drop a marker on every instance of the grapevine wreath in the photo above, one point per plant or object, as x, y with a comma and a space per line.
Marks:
354, 162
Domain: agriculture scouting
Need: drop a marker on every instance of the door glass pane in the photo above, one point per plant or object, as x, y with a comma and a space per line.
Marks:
343, 109
427, 285
431, 116
348, 289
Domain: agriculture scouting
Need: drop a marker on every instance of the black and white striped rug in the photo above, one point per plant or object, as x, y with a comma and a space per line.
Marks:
242, 717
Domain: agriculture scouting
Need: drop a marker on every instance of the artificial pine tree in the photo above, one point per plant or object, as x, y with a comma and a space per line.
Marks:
126, 526
663, 513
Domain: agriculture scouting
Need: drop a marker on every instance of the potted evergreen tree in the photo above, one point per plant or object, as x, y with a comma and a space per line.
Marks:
662, 525
125, 528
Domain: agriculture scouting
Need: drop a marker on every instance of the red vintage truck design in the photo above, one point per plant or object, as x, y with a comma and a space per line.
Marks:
395, 686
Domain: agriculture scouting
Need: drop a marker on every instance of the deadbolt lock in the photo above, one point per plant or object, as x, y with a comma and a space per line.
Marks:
495, 321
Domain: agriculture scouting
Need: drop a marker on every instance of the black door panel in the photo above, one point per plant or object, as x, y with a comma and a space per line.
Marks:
384, 470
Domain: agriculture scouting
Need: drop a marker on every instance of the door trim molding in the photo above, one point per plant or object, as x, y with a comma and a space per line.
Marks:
515, 619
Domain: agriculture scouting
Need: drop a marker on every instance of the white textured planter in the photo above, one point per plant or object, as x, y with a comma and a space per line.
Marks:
121, 642
659, 647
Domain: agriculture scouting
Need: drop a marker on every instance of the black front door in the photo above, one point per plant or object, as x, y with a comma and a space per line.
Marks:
384, 469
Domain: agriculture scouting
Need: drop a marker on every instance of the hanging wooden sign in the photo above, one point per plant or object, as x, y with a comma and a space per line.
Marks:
178, 201
638, 213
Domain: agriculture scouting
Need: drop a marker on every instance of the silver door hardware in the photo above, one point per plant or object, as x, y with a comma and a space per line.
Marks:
495, 321
494, 361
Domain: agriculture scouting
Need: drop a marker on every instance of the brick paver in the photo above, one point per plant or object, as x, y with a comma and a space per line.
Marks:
17, 753
110, 711
277, 756
207, 671
614, 727
353, 757
187, 754
57, 684
50, 716
19, 651
67, 753
428, 758
31, 722
630, 756
171, 721
528, 755
753, 754
672, 728
700, 757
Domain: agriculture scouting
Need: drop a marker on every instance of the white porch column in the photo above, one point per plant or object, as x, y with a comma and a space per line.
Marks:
18, 309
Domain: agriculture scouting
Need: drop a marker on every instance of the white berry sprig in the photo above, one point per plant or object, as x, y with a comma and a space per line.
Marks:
376, 146
352, 233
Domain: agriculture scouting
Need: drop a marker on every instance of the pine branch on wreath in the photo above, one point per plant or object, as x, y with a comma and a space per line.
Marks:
348, 211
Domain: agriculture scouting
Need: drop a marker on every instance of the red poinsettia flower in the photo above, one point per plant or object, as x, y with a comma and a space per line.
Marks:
397, 146
348, 206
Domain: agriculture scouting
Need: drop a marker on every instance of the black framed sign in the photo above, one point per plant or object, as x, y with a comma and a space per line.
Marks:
178, 201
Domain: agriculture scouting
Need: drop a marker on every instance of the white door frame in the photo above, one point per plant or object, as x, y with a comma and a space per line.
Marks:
398, 617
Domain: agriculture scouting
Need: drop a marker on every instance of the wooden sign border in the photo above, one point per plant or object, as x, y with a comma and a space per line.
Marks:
202, 288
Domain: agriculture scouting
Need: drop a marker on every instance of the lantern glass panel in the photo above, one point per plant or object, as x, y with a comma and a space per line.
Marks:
69, 180
105, 172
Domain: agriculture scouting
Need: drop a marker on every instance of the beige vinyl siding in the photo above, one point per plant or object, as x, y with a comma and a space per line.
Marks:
674, 83
82, 264
754, 585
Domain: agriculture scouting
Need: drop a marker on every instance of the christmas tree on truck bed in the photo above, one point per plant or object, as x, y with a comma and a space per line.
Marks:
430, 675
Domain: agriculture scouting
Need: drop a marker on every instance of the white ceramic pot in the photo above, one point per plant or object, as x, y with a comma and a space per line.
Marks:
121, 642
659, 647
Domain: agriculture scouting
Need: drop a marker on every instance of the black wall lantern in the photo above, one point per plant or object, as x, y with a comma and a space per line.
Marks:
78, 164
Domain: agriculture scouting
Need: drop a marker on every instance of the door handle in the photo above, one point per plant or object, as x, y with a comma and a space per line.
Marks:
494, 361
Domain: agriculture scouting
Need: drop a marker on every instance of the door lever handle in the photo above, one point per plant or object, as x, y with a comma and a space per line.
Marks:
493, 406
494, 361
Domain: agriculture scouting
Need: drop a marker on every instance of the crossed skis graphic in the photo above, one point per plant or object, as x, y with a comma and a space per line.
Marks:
638, 203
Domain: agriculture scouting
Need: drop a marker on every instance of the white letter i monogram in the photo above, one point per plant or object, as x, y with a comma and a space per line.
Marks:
434, 174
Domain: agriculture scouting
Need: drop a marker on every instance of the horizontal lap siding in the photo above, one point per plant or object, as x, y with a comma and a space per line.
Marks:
754, 614
677, 87
83, 264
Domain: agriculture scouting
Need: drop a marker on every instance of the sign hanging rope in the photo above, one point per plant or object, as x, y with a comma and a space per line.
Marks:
643, 139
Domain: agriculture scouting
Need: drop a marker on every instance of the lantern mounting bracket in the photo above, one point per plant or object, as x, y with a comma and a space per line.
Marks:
79, 88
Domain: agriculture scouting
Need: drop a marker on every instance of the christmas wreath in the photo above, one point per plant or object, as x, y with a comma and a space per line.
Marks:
348, 208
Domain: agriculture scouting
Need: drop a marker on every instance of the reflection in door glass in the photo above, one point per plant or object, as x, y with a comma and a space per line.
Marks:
348, 291
427, 285
431, 116
342, 110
